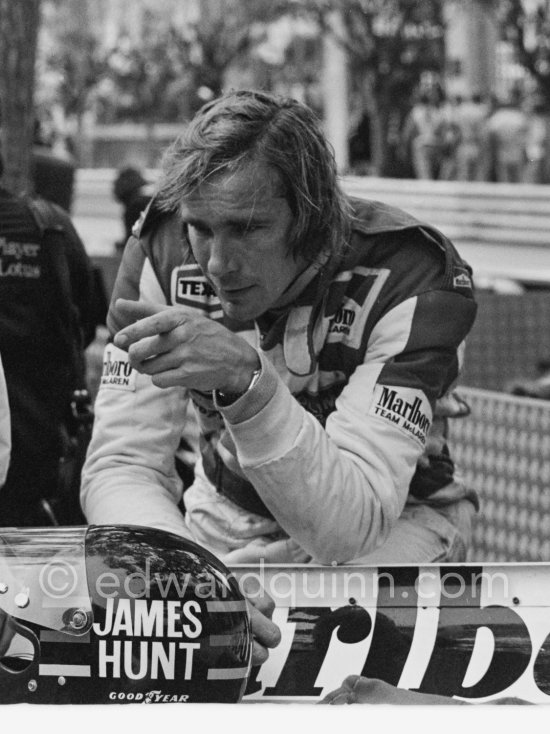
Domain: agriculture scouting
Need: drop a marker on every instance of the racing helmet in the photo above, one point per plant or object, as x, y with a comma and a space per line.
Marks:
118, 614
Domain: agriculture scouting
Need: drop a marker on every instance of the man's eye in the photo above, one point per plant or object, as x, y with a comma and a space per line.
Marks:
200, 229
245, 229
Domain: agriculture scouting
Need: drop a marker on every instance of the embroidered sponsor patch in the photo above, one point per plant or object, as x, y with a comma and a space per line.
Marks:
117, 372
190, 288
348, 323
342, 321
461, 278
408, 409
19, 259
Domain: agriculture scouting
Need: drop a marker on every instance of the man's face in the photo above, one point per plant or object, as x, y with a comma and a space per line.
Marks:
238, 226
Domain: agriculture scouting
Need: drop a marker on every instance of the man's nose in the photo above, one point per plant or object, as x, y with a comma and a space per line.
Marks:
222, 256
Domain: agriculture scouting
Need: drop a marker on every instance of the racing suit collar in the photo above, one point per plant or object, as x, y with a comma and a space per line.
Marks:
302, 325
293, 325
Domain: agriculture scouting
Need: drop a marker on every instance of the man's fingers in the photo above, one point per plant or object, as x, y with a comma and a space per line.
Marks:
259, 654
150, 319
256, 595
266, 635
265, 631
152, 354
260, 608
134, 310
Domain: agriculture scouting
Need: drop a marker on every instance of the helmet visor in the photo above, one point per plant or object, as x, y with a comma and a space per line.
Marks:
43, 578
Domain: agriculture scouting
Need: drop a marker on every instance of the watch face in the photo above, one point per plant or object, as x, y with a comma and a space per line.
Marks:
255, 378
227, 398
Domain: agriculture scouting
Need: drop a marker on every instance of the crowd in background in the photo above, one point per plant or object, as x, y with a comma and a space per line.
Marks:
476, 139
469, 138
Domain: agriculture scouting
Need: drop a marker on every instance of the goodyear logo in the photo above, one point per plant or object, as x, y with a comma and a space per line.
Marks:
406, 408
117, 371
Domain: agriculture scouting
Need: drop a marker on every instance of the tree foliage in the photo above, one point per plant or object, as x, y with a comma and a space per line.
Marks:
19, 22
166, 76
75, 54
394, 40
165, 72
154, 74
527, 27
391, 44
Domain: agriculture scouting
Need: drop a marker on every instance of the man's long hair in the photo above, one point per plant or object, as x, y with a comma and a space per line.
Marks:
248, 127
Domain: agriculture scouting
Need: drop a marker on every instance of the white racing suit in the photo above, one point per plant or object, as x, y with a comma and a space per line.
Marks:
338, 445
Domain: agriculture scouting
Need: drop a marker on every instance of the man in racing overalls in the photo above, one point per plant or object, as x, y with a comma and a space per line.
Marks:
318, 339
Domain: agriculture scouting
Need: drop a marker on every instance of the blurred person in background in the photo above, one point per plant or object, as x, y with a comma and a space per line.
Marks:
450, 137
507, 132
52, 171
129, 189
537, 142
423, 135
471, 121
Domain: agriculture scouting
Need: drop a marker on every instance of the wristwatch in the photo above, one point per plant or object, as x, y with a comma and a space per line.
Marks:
226, 398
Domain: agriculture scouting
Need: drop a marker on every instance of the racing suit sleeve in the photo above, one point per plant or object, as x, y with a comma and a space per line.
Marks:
5, 428
339, 489
129, 476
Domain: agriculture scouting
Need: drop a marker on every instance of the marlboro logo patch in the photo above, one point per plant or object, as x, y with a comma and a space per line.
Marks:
117, 371
408, 410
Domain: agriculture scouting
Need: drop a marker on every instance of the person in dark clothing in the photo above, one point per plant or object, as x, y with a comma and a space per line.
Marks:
47, 317
5, 427
128, 190
53, 175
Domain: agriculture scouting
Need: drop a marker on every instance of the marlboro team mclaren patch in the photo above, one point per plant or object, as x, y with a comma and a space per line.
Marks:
117, 371
408, 409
